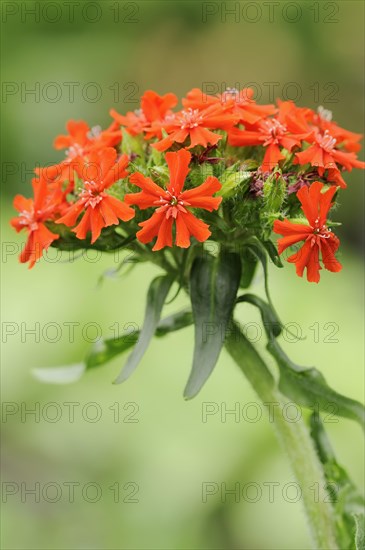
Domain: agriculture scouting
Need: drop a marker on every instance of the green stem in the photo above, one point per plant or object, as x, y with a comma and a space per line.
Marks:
295, 439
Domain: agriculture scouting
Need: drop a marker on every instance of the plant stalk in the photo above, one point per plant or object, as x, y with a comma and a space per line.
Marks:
294, 438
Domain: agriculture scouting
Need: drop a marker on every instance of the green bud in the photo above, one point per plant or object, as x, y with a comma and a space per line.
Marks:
231, 180
274, 192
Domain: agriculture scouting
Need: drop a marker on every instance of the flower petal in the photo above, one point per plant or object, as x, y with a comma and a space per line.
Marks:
200, 197
328, 249
196, 227
164, 237
150, 227
178, 164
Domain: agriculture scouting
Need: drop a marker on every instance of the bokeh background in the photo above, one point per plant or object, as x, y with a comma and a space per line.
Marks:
108, 53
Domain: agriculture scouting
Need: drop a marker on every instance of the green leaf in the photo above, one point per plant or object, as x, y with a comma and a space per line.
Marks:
127, 264
131, 145
105, 350
214, 283
232, 178
360, 531
109, 239
348, 503
274, 192
308, 387
273, 253
156, 158
174, 322
269, 317
156, 297
249, 265
259, 251
60, 375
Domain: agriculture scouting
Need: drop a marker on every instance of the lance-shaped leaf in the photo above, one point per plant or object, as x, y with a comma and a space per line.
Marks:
174, 322
108, 241
105, 350
249, 264
60, 375
214, 283
156, 297
269, 317
273, 253
259, 251
306, 386
348, 503
360, 531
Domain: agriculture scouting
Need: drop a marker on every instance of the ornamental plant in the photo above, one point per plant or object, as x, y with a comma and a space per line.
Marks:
199, 192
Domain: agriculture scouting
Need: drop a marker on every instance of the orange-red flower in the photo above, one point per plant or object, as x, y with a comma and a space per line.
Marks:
155, 111
287, 129
324, 156
323, 120
173, 204
99, 208
194, 124
238, 102
32, 215
80, 141
317, 237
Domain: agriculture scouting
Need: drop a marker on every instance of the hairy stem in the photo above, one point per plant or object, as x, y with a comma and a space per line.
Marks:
294, 438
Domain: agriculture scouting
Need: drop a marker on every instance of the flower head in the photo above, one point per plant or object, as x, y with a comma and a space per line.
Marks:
317, 237
282, 131
237, 102
155, 111
324, 155
99, 208
173, 204
81, 139
196, 125
33, 213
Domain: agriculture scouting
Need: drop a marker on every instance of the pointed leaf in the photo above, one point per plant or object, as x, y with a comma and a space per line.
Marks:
156, 297
348, 503
273, 253
214, 283
308, 387
174, 322
259, 252
105, 350
60, 375
249, 265
108, 241
269, 318
360, 531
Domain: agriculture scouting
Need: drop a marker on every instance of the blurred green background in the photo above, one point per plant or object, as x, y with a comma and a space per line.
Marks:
108, 53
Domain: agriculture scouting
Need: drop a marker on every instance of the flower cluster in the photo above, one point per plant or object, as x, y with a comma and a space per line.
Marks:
223, 167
